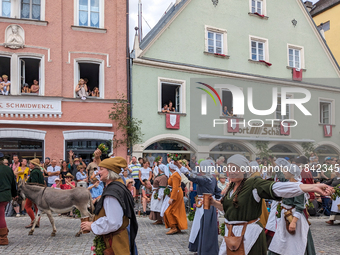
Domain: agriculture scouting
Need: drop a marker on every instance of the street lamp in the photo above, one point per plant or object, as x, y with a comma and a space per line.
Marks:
294, 21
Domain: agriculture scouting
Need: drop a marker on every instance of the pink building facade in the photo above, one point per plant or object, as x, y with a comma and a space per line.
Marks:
56, 43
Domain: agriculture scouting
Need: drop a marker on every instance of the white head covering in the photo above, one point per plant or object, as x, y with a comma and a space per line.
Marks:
282, 162
296, 171
207, 167
240, 161
254, 166
156, 171
174, 167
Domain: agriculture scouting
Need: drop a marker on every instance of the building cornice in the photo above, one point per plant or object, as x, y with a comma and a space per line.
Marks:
226, 74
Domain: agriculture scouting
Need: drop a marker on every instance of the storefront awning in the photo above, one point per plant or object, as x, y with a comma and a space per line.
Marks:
228, 138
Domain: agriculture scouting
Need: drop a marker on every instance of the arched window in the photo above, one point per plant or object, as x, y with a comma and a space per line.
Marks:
163, 147
227, 150
325, 151
283, 150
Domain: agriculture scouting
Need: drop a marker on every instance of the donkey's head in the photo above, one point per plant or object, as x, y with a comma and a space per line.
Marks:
20, 191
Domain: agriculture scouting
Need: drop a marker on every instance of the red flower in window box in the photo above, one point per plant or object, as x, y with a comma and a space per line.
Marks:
218, 54
262, 16
267, 63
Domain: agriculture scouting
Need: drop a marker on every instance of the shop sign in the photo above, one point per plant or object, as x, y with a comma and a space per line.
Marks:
35, 105
258, 129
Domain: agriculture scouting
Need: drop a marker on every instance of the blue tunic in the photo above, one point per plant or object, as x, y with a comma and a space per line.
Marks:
206, 242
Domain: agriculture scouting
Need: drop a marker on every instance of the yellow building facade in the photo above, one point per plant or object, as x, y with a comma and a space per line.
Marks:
326, 15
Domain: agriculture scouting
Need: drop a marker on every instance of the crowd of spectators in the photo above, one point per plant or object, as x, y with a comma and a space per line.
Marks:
140, 173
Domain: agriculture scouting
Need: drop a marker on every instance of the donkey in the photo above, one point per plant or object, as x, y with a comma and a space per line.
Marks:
50, 200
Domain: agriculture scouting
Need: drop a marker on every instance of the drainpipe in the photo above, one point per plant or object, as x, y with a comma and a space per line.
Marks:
128, 66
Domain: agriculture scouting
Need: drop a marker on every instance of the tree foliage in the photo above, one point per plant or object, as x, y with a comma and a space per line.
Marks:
131, 127
308, 148
262, 146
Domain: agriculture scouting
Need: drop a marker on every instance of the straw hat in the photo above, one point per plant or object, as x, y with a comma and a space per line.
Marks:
35, 162
69, 175
114, 164
223, 176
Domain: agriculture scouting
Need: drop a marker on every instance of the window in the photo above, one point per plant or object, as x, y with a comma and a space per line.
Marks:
215, 42
92, 72
256, 7
29, 72
89, 13
5, 6
278, 110
257, 51
294, 58
171, 93
227, 102
30, 9
325, 112
170, 90
5, 69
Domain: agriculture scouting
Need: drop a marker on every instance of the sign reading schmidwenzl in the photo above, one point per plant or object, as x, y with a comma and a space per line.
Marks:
257, 129
30, 106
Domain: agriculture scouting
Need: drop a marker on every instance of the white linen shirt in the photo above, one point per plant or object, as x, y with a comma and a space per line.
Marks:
113, 219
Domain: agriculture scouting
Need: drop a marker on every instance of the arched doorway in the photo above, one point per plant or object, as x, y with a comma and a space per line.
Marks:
163, 147
283, 150
227, 150
325, 151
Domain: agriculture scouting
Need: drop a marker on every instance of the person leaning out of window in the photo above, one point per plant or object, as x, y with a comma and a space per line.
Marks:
5, 85
95, 92
26, 89
171, 107
35, 86
165, 108
81, 89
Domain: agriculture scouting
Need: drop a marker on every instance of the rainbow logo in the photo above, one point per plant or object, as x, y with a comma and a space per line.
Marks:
209, 93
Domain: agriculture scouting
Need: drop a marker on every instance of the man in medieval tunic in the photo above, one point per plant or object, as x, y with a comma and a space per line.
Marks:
204, 231
114, 211
159, 184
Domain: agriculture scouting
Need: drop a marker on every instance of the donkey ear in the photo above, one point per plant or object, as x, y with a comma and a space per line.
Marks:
20, 181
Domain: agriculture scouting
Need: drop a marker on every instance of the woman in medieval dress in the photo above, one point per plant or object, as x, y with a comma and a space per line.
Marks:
204, 231
242, 206
298, 232
174, 211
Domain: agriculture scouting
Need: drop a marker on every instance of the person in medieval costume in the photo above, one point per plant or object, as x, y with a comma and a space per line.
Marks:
159, 184
292, 235
255, 172
8, 191
115, 219
270, 227
204, 231
242, 206
173, 208
335, 209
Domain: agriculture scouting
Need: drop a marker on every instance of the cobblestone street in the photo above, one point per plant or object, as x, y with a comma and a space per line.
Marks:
150, 240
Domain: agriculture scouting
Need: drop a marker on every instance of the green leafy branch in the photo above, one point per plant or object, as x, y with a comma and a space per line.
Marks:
308, 148
130, 127
262, 146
